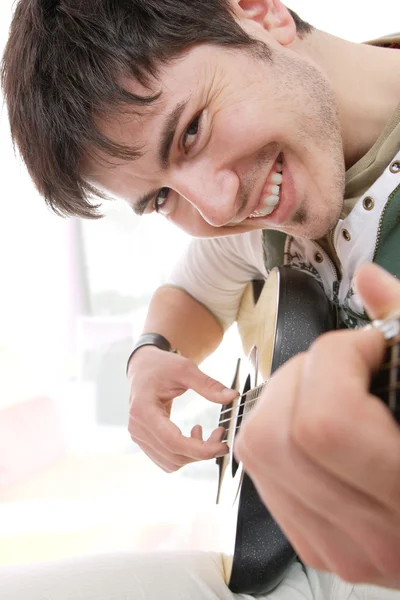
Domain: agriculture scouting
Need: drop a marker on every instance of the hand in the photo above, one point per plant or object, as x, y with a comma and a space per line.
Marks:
157, 377
324, 453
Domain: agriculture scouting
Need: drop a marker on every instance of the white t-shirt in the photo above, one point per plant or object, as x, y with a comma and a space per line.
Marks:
231, 262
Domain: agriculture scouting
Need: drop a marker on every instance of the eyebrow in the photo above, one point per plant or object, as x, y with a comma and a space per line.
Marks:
141, 204
168, 133
166, 140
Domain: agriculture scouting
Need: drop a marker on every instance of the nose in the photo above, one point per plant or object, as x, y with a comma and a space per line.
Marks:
213, 192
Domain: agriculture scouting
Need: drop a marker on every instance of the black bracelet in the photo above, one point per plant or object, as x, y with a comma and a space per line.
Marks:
150, 339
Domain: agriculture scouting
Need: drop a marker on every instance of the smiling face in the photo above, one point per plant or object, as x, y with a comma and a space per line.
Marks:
235, 143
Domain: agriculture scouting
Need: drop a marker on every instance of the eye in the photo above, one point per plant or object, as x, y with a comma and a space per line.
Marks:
161, 199
191, 134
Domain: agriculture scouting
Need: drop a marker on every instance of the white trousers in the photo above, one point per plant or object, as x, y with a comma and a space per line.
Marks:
164, 576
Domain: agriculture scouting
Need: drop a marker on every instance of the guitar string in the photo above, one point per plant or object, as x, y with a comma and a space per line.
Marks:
243, 402
225, 440
385, 367
250, 402
390, 344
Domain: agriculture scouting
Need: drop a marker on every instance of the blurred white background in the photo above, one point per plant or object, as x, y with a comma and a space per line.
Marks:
73, 296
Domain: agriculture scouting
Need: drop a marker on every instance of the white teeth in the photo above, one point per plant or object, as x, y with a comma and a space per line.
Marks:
269, 205
267, 211
271, 200
276, 178
274, 190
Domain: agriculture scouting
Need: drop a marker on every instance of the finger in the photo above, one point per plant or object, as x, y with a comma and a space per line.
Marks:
217, 435
338, 424
320, 544
153, 449
267, 440
277, 469
161, 433
265, 427
372, 526
278, 453
209, 388
379, 291
197, 432
166, 433
166, 461
143, 434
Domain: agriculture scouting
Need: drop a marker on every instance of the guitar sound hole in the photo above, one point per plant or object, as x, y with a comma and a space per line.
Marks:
234, 465
247, 387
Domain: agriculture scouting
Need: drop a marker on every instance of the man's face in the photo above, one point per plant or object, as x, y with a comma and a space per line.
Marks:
254, 144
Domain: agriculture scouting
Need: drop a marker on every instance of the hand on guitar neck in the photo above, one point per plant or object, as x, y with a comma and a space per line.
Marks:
324, 452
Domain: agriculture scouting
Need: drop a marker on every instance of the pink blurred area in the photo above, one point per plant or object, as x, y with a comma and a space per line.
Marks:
31, 439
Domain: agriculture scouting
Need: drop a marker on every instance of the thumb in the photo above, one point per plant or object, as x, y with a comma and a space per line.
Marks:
210, 388
379, 291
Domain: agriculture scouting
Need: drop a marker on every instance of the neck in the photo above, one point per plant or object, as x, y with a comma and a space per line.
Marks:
366, 81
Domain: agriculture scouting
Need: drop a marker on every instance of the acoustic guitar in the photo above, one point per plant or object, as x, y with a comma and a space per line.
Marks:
295, 311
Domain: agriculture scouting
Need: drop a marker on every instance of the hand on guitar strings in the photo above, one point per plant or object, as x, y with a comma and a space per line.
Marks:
324, 452
156, 378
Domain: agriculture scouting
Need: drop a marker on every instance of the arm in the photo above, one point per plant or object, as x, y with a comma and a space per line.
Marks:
157, 377
186, 323
215, 272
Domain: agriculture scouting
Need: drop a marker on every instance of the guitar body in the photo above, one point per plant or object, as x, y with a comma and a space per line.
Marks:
295, 311
284, 319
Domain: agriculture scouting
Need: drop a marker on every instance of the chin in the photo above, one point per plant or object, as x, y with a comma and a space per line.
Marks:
309, 231
314, 225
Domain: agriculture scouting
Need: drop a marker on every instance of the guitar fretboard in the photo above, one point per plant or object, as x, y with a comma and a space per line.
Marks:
385, 384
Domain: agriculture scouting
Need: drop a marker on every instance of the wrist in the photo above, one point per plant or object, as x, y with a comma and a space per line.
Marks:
150, 339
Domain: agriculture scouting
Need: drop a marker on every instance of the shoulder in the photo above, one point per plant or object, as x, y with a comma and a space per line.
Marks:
243, 246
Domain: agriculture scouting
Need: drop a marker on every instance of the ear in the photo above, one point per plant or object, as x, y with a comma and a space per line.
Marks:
272, 15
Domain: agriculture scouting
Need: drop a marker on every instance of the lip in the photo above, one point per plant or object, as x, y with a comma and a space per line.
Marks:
287, 203
259, 204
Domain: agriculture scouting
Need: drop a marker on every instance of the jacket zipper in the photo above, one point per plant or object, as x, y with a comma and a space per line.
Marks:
380, 227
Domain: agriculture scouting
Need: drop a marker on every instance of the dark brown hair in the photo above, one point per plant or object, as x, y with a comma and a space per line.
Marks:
62, 69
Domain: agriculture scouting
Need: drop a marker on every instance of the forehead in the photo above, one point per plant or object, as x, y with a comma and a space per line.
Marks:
140, 127
195, 71
201, 73
136, 126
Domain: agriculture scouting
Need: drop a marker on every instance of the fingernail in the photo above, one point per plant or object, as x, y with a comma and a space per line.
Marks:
222, 434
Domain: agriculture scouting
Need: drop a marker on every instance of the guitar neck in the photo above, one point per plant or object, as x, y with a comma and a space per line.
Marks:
385, 384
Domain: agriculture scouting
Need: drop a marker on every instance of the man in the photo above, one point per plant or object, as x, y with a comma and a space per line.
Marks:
271, 142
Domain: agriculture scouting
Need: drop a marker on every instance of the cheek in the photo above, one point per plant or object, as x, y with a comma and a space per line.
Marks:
246, 132
239, 127
188, 218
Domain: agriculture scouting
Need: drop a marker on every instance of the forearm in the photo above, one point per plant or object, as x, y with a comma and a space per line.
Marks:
186, 323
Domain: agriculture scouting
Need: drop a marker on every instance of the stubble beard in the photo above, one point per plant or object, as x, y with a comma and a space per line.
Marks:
319, 125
